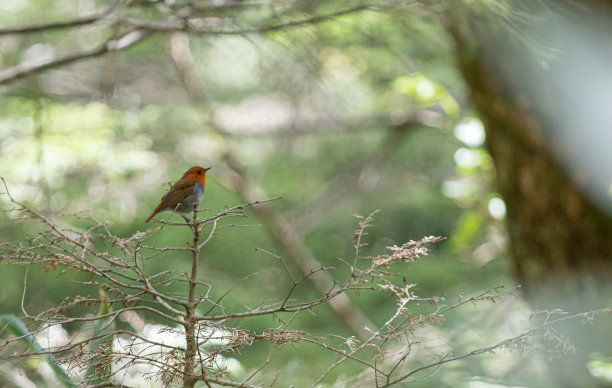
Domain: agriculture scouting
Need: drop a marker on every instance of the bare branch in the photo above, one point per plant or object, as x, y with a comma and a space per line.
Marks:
80, 21
195, 25
25, 69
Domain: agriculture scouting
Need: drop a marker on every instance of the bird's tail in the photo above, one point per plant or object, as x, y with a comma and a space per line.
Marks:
154, 213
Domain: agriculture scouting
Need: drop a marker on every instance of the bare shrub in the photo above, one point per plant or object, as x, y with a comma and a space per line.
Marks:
187, 345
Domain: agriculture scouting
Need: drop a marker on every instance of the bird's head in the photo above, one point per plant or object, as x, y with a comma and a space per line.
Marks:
197, 173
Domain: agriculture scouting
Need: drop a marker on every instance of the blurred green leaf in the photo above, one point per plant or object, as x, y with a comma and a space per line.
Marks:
102, 345
468, 226
16, 327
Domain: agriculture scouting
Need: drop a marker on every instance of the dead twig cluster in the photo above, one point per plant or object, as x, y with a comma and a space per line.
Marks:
198, 337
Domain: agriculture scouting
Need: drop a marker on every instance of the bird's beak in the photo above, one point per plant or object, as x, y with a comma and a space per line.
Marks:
207, 168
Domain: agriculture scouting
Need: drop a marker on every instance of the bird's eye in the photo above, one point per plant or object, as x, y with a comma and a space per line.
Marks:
199, 171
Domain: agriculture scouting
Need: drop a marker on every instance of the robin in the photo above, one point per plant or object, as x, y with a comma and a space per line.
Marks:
185, 194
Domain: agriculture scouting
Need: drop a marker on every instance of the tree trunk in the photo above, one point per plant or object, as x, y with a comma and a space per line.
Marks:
561, 243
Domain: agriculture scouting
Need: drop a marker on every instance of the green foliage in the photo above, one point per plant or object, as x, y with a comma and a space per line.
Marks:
426, 92
468, 227
600, 366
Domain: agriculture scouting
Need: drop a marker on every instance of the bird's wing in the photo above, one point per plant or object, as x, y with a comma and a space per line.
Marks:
177, 193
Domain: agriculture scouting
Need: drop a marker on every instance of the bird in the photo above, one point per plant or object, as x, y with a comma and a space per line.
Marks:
185, 195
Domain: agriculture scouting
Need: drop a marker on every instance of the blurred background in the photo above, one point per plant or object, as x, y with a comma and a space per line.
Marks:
465, 120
